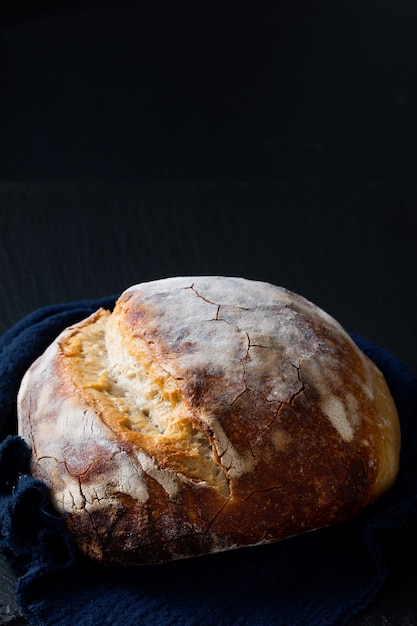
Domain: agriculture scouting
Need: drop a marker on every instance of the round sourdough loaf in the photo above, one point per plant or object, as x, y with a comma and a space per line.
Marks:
204, 414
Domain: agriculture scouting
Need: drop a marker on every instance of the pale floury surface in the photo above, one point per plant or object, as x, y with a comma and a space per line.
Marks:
206, 413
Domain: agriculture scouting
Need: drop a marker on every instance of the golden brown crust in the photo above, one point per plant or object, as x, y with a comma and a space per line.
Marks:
204, 414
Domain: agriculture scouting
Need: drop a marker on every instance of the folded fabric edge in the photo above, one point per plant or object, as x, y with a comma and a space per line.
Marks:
390, 520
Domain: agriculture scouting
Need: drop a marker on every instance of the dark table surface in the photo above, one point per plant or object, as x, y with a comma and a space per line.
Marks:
276, 143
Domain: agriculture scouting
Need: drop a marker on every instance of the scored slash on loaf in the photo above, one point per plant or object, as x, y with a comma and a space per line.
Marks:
205, 414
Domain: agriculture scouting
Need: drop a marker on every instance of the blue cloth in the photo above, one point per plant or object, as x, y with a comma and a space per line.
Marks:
323, 577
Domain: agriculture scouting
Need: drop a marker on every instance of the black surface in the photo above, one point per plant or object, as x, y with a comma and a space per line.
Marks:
169, 90
274, 141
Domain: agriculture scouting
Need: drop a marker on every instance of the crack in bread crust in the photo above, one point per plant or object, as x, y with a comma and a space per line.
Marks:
204, 414
141, 403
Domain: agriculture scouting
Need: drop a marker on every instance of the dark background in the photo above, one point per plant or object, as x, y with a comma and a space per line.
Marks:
185, 90
275, 141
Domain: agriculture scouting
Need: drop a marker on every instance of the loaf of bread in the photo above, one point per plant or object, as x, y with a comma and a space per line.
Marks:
205, 414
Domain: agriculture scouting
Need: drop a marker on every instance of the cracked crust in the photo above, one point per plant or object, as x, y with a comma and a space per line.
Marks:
203, 414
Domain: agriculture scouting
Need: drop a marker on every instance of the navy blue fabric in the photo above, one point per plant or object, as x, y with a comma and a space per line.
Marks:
323, 577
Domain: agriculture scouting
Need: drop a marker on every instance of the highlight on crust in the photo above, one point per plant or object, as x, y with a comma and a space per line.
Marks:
205, 414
